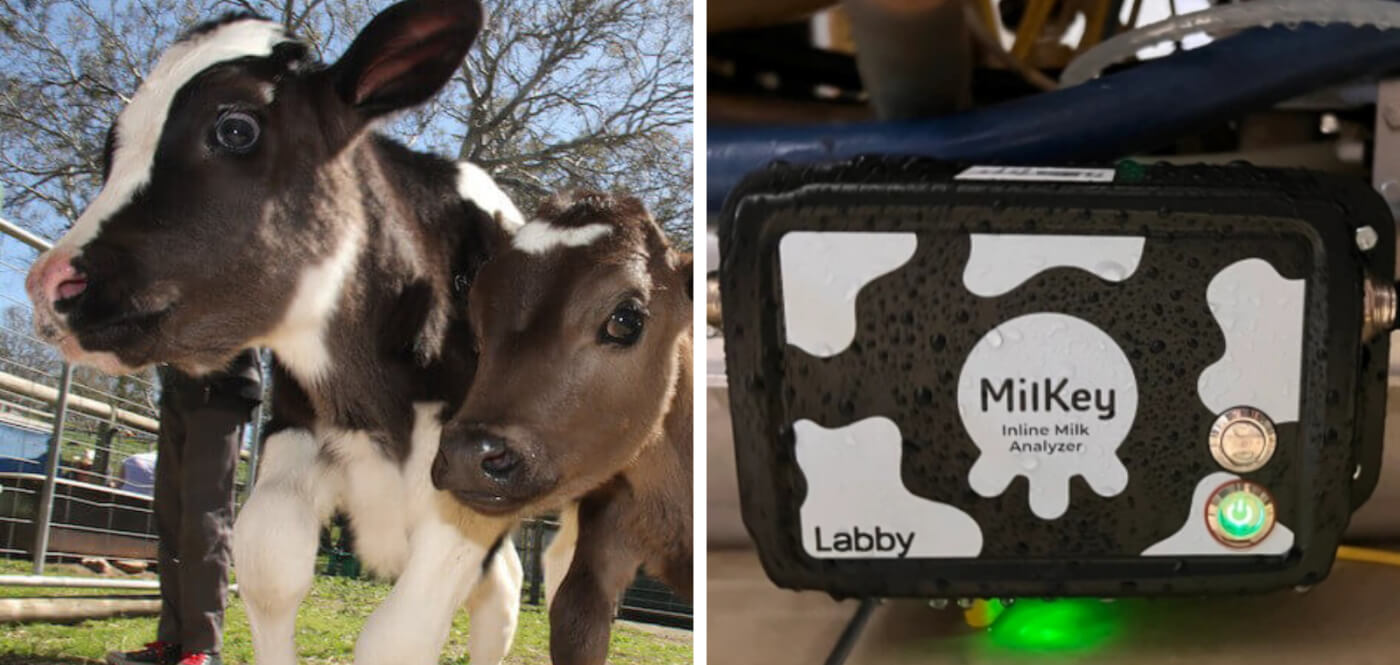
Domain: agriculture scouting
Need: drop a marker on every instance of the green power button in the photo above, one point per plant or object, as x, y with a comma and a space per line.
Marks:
1241, 514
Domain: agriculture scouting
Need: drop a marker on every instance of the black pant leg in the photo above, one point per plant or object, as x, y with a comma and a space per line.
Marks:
168, 513
211, 463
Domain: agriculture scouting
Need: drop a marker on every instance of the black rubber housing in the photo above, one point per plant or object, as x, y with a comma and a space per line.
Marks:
913, 329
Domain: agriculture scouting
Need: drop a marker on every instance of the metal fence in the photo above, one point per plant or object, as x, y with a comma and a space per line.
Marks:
67, 440
72, 442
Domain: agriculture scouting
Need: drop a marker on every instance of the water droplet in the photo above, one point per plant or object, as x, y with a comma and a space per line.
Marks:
1111, 271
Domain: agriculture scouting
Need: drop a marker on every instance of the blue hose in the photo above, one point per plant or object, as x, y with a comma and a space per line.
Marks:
1110, 117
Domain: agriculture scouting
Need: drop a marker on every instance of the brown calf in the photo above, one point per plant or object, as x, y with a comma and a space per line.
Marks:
582, 398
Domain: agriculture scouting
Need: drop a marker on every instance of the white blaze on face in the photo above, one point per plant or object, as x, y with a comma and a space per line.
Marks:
139, 127
540, 236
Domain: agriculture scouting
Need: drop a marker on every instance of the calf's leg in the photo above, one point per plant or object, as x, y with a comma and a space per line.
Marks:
411, 625
275, 539
560, 552
495, 606
580, 618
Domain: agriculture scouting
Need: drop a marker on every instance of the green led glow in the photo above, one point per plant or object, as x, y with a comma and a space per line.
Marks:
1069, 624
1241, 515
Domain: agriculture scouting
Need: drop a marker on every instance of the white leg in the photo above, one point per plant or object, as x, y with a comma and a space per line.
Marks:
411, 625
560, 553
378, 501
275, 540
495, 608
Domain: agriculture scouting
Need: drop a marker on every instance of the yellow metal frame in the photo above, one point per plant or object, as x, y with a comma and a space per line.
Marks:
1037, 13
1368, 555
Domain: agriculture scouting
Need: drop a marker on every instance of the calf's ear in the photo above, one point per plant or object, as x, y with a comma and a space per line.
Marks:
406, 54
684, 270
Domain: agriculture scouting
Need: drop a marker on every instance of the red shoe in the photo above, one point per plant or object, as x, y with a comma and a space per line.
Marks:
154, 653
200, 658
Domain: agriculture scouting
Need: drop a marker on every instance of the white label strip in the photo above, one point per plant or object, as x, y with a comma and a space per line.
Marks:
1035, 174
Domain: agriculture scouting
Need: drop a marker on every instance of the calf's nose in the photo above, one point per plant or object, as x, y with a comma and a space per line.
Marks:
53, 278
474, 459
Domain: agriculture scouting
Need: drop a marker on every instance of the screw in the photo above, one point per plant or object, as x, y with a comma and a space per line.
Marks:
1329, 124
1366, 238
938, 603
965, 603
1390, 191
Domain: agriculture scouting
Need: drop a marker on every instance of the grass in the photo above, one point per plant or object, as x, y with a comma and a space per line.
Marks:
330, 619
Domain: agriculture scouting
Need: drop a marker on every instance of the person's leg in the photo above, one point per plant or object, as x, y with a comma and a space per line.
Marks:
168, 512
210, 464
168, 509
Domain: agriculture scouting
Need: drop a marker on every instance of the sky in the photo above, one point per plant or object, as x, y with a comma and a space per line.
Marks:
15, 258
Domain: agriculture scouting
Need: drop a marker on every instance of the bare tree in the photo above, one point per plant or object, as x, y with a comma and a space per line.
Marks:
557, 93
585, 93
65, 69
20, 353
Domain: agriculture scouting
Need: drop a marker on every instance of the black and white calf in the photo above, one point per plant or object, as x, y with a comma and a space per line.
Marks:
248, 204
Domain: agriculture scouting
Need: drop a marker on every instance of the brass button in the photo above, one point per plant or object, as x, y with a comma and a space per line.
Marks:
1242, 439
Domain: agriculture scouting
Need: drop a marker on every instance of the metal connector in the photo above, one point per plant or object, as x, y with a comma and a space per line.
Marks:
1377, 308
712, 306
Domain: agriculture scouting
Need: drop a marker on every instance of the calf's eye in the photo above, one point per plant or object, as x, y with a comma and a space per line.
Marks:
237, 131
624, 325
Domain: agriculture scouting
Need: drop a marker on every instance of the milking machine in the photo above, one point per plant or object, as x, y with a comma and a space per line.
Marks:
985, 382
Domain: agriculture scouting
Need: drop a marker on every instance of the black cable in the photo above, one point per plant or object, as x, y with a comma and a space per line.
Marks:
851, 634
